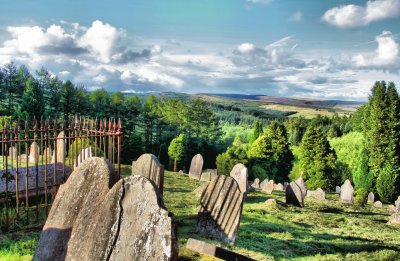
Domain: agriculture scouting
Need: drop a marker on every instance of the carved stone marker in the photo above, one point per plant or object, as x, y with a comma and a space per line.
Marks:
148, 166
317, 194
209, 174
268, 187
378, 204
256, 183
240, 174
395, 218
60, 149
263, 183
47, 155
279, 187
371, 198
34, 153
91, 219
347, 192
196, 167
220, 209
302, 185
294, 195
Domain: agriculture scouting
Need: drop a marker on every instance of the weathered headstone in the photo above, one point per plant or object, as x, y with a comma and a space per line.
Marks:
198, 192
12, 152
279, 187
347, 192
337, 189
47, 155
148, 166
392, 208
395, 218
23, 158
196, 167
60, 146
209, 174
240, 174
378, 204
268, 187
91, 221
220, 210
294, 195
34, 153
302, 185
256, 183
317, 194
263, 183
371, 198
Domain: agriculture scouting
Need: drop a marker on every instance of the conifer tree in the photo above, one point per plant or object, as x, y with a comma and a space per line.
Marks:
257, 131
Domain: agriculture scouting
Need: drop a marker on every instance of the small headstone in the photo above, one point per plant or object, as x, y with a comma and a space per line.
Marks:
23, 158
397, 203
34, 153
294, 195
317, 194
378, 204
347, 192
271, 201
84, 155
181, 172
263, 183
392, 208
220, 210
60, 146
12, 152
395, 218
337, 190
268, 187
279, 187
256, 183
148, 166
371, 198
196, 167
209, 174
240, 174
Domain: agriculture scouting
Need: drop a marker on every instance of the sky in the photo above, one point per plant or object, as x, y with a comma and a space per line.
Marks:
331, 49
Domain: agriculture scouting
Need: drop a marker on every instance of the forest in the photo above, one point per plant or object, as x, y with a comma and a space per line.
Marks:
363, 147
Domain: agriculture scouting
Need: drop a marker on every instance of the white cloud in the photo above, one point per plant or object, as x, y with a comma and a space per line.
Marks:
246, 47
296, 17
349, 16
264, 2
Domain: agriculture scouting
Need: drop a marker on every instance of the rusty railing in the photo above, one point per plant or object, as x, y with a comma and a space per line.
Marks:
38, 156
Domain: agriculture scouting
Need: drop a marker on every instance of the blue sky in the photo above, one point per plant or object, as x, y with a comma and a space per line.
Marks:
311, 48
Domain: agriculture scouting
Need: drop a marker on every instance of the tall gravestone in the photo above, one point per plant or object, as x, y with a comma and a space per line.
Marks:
60, 147
302, 185
347, 192
240, 174
148, 166
94, 218
34, 153
220, 210
196, 167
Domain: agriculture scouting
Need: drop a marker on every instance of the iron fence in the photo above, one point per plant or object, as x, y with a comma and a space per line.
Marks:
38, 156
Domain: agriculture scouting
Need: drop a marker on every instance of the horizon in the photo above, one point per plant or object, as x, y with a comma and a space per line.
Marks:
332, 50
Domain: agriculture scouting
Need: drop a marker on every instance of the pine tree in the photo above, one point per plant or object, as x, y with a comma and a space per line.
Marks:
32, 100
176, 149
362, 177
257, 131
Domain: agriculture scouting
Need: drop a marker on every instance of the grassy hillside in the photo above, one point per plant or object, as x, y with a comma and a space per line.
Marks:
320, 231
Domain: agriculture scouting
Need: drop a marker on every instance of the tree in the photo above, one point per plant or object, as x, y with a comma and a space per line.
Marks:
233, 155
32, 100
176, 149
68, 99
362, 177
257, 131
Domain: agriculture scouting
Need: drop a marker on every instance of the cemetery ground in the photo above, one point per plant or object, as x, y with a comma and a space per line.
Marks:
322, 230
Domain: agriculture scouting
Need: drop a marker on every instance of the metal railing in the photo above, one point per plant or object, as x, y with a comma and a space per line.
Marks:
38, 156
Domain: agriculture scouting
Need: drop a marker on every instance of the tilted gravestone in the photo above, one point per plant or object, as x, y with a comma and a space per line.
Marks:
94, 218
347, 192
317, 194
371, 198
60, 147
256, 183
196, 167
294, 195
148, 166
240, 174
208, 174
268, 187
34, 153
220, 209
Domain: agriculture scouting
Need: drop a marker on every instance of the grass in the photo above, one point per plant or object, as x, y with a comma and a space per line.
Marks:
309, 112
325, 230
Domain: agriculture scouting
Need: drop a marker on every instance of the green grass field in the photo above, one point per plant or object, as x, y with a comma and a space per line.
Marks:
325, 230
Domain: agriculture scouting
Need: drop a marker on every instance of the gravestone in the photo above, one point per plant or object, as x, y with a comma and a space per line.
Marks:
279, 187
60, 146
148, 166
395, 218
263, 183
23, 158
294, 195
371, 198
94, 218
268, 187
378, 204
347, 192
196, 167
12, 152
209, 174
240, 174
256, 183
47, 154
285, 184
392, 208
302, 185
84, 155
337, 189
34, 153
220, 209
317, 194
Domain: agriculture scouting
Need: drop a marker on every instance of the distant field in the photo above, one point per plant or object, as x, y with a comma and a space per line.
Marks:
310, 112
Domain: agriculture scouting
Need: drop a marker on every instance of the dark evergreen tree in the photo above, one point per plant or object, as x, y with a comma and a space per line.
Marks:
32, 100
257, 131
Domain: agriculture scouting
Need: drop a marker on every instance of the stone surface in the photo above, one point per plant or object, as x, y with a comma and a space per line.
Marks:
337, 189
209, 174
213, 250
285, 184
196, 167
378, 204
397, 203
279, 187
392, 208
240, 174
268, 187
34, 153
148, 166
347, 192
302, 185
395, 218
371, 198
294, 195
220, 209
47, 155
93, 219
84, 155
198, 192
60, 146
263, 183
317, 194
256, 183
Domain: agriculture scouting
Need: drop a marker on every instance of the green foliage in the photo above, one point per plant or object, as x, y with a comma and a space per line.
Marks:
32, 100
257, 131
386, 183
233, 155
361, 196
79, 144
176, 149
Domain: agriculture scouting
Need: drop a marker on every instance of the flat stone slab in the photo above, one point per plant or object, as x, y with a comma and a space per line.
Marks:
220, 209
148, 165
196, 167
